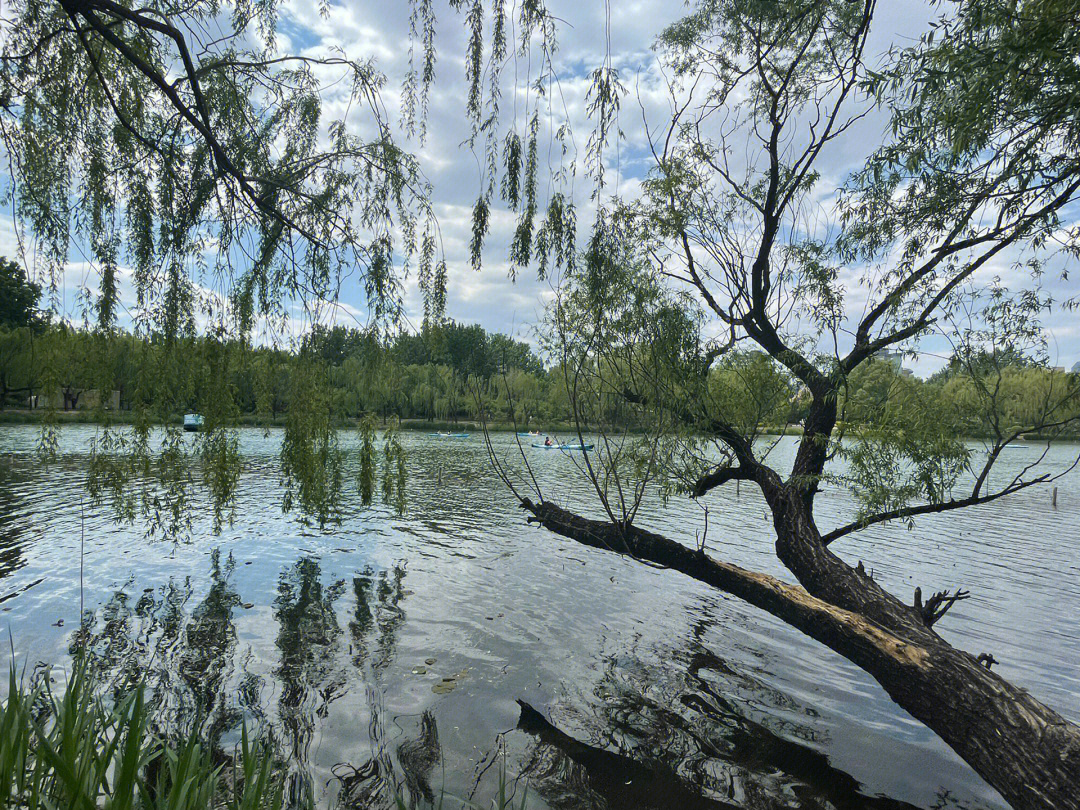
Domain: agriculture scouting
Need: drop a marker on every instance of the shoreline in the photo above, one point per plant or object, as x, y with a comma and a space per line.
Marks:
20, 416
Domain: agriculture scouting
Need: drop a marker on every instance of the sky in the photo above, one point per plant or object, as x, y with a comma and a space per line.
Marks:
588, 31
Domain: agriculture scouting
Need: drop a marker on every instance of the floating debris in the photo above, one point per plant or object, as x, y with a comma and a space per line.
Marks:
448, 683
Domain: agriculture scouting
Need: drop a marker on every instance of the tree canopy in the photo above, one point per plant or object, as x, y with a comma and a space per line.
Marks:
19, 297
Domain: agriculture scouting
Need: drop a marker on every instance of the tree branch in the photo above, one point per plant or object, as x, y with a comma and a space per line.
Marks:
928, 509
199, 117
718, 477
853, 636
938, 604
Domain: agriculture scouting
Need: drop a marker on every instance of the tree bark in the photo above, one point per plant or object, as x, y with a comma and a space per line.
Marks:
1021, 747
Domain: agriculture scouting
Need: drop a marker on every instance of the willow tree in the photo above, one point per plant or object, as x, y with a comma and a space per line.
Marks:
204, 179
729, 248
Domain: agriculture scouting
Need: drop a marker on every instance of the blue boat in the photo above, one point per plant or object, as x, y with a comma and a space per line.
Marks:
450, 435
193, 422
563, 446
527, 435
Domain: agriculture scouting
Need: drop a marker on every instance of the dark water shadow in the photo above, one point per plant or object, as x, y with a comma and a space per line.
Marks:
14, 501
620, 781
671, 736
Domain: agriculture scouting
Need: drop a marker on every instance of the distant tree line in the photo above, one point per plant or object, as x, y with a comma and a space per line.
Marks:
451, 372
442, 374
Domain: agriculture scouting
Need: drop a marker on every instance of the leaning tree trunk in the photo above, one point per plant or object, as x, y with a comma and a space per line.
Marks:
1024, 749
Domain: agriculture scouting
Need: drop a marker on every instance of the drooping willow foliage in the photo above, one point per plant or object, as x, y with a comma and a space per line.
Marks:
365, 481
188, 168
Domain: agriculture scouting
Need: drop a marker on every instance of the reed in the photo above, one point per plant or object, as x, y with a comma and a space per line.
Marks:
82, 751
78, 750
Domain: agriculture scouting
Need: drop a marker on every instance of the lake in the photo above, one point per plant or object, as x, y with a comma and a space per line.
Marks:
391, 653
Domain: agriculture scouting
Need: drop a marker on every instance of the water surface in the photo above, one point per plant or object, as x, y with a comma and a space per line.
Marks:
395, 653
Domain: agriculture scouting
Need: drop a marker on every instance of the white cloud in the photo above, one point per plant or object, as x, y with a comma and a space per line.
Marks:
592, 31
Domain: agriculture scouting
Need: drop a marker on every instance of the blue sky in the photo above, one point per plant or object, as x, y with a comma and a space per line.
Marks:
589, 30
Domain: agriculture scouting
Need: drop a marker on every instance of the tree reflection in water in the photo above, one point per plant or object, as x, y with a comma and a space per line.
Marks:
310, 675
667, 736
667, 729
14, 494
190, 662
377, 618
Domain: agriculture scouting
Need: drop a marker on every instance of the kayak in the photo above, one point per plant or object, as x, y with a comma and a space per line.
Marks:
451, 435
530, 434
563, 446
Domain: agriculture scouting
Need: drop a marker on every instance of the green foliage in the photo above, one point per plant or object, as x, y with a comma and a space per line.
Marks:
426, 375
233, 153
984, 153
19, 297
19, 369
77, 750
311, 461
395, 471
218, 449
907, 443
365, 481
1009, 401
751, 390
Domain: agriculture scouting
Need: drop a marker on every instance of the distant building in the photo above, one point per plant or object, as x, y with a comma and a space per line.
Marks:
75, 399
1076, 367
894, 359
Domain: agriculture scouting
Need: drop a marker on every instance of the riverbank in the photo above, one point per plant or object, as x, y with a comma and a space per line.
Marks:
91, 417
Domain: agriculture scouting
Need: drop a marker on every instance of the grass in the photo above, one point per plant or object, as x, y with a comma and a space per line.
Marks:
80, 751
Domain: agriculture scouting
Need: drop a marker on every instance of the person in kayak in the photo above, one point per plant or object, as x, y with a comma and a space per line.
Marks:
547, 442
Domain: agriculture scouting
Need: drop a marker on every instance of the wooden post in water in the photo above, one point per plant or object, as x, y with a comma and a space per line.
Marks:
1053, 498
